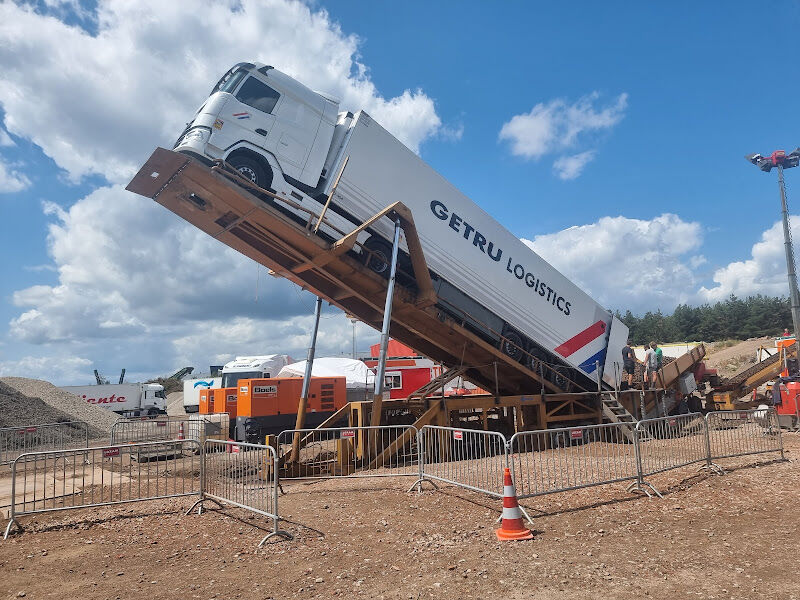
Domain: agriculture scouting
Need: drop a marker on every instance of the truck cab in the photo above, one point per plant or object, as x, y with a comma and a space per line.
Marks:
253, 367
271, 128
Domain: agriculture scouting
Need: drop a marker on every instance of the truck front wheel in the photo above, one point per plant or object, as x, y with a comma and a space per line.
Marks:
251, 169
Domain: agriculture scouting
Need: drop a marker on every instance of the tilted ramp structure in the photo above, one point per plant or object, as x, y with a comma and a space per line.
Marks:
256, 223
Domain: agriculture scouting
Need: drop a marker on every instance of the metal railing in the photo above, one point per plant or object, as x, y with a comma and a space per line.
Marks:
556, 460
243, 475
137, 430
469, 458
85, 477
385, 451
734, 433
15, 441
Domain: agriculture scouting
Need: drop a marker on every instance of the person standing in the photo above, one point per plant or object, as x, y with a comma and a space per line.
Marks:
650, 365
659, 355
628, 363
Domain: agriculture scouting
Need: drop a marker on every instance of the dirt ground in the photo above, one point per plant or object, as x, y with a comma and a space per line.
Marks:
729, 358
730, 536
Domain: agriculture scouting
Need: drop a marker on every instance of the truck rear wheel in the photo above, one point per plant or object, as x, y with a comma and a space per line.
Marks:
512, 345
379, 257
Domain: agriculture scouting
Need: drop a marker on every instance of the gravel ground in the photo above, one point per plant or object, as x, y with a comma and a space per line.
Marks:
73, 407
711, 537
175, 404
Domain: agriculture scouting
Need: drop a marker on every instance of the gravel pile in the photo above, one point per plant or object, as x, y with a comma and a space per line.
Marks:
18, 410
68, 405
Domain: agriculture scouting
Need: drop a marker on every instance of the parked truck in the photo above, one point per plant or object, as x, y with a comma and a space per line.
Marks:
284, 137
242, 367
127, 399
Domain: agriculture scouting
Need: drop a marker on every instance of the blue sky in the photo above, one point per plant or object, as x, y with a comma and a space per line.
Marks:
658, 102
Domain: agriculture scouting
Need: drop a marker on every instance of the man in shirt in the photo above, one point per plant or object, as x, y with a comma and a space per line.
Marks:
628, 363
659, 356
650, 365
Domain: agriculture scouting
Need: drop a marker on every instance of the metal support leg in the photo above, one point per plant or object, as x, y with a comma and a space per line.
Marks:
377, 401
300, 422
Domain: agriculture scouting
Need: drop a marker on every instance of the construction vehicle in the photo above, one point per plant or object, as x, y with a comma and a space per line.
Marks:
302, 157
269, 406
127, 399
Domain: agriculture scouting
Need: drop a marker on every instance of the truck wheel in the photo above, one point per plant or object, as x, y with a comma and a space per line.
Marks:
379, 257
512, 345
250, 169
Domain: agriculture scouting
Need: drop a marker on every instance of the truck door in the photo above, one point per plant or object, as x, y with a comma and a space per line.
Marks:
249, 112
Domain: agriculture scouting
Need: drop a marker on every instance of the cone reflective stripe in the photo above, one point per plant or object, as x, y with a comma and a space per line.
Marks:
180, 432
511, 527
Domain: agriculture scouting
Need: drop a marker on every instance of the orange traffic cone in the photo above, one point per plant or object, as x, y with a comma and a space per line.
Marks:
180, 432
511, 527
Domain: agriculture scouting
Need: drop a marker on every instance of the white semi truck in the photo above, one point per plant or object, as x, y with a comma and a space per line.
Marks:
127, 399
283, 136
242, 367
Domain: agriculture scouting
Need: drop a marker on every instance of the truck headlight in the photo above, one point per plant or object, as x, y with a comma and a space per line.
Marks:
196, 135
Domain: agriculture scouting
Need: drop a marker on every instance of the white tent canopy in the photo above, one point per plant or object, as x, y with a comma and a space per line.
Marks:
358, 375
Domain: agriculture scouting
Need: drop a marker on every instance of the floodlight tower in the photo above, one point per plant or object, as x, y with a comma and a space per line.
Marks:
781, 161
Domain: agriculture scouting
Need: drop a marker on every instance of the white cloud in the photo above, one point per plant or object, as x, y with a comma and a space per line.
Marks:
627, 263
59, 368
142, 289
569, 167
5, 139
134, 83
558, 126
11, 180
763, 273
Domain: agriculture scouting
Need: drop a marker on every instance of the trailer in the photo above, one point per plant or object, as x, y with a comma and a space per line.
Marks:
340, 181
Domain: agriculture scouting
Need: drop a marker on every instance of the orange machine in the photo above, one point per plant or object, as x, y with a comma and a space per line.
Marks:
270, 405
224, 401
205, 396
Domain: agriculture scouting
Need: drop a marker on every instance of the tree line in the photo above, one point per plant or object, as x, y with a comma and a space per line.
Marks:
734, 318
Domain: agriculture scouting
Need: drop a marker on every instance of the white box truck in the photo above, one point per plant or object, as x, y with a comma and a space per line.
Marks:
285, 137
191, 391
242, 367
127, 399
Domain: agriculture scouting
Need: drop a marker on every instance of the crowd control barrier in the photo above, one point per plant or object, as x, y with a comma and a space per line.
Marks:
86, 477
469, 458
38, 438
556, 460
385, 451
243, 475
138, 430
733, 433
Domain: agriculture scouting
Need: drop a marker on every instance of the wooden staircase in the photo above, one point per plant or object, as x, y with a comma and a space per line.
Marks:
417, 399
614, 412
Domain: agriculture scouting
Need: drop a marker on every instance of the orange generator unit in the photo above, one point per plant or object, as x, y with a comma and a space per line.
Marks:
206, 402
269, 406
224, 401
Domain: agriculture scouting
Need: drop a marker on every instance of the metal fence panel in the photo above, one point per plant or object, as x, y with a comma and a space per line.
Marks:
470, 458
137, 430
743, 432
385, 451
85, 477
37, 438
554, 460
243, 475
672, 442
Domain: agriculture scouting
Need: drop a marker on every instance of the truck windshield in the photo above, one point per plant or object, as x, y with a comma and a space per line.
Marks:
232, 78
232, 379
